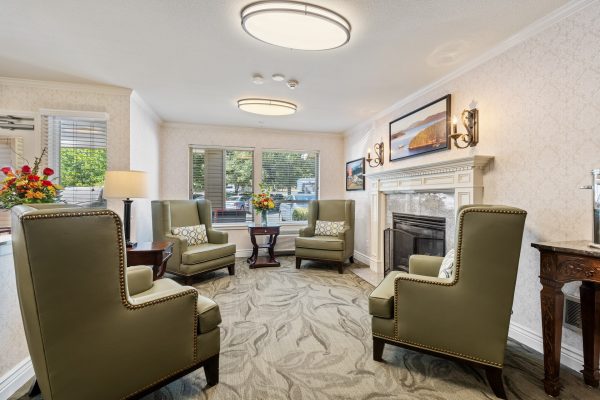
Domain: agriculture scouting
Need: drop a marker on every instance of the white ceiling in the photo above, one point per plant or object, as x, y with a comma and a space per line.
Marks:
190, 59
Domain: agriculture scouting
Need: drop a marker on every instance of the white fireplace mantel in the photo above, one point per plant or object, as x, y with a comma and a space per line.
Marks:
462, 176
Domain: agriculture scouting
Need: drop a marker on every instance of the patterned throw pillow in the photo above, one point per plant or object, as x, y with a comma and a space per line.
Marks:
447, 267
194, 234
329, 228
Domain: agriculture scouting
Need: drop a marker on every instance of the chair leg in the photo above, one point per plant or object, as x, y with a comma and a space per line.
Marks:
378, 345
231, 269
351, 259
298, 262
211, 370
494, 377
341, 267
189, 280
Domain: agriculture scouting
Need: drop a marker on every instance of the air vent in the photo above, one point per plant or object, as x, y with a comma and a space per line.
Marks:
572, 313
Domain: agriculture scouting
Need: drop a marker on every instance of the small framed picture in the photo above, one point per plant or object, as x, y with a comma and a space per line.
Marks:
355, 174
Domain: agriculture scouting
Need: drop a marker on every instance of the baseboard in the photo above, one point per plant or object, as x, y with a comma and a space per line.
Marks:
14, 379
569, 356
363, 258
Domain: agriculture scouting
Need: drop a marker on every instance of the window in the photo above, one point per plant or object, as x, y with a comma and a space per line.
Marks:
293, 178
223, 176
77, 153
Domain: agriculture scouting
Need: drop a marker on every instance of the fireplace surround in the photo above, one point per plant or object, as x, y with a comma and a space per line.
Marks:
462, 178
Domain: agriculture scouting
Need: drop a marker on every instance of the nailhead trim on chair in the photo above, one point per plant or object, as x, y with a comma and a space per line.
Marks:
123, 289
407, 277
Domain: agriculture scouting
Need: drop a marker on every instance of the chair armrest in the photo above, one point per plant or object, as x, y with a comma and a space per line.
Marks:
307, 231
217, 237
381, 299
139, 279
424, 265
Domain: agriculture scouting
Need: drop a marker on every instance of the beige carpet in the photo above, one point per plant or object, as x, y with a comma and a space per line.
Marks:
305, 334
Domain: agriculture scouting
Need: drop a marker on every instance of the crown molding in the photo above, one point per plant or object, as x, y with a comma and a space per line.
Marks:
137, 99
191, 125
55, 85
529, 31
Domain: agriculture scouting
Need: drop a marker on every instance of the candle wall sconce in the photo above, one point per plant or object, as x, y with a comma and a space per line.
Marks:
470, 120
377, 160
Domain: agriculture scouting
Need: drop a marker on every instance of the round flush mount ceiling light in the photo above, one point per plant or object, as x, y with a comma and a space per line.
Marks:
295, 25
267, 106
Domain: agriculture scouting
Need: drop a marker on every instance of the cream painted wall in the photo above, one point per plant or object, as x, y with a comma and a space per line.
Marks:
31, 96
175, 140
144, 156
539, 107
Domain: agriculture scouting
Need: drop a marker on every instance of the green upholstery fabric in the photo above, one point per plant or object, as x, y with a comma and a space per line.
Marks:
209, 316
320, 243
191, 260
139, 279
468, 315
424, 265
327, 248
87, 332
381, 300
207, 252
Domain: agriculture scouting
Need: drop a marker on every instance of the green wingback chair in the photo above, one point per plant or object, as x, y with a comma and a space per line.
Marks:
334, 249
467, 315
188, 261
96, 329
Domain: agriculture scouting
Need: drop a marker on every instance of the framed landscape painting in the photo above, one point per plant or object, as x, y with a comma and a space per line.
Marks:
355, 174
424, 130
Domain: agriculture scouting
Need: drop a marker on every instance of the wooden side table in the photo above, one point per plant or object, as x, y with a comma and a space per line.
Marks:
155, 254
563, 262
263, 261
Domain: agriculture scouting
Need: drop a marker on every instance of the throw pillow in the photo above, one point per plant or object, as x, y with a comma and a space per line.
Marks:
447, 267
194, 234
329, 228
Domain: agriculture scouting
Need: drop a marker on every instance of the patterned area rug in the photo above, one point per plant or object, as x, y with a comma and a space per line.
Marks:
305, 334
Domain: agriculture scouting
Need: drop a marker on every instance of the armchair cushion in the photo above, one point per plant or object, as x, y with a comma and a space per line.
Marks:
209, 316
194, 234
419, 264
139, 279
447, 267
328, 228
320, 243
207, 252
381, 300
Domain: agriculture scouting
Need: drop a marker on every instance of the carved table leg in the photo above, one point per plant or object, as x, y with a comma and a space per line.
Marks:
590, 327
254, 256
552, 299
272, 243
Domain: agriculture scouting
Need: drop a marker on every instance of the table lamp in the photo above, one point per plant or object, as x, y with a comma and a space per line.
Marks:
126, 185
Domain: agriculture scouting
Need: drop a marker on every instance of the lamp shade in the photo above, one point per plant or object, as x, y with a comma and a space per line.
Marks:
125, 184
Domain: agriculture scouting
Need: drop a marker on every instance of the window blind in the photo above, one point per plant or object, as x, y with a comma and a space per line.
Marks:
11, 152
223, 176
293, 178
77, 151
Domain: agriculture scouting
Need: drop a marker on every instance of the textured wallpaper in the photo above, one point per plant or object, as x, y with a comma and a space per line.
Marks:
539, 114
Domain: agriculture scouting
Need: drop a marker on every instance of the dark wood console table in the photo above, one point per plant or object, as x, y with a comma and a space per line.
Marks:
263, 261
155, 254
563, 262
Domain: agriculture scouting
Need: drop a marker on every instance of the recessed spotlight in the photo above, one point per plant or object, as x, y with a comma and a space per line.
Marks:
267, 106
278, 77
292, 84
295, 25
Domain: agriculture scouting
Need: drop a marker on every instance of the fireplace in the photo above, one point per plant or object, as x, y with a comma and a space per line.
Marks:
412, 234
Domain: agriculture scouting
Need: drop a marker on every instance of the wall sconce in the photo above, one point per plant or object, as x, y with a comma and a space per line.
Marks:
378, 160
470, 119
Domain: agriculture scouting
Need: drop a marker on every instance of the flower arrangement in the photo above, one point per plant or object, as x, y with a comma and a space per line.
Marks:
263, 201
25, 186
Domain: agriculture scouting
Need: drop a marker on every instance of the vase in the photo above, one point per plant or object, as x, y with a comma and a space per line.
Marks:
263, 217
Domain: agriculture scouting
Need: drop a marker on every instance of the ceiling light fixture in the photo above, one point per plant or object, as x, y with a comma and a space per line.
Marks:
267, 106
295, 25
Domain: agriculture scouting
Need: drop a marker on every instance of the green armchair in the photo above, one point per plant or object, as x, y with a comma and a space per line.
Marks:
334, 249
465, 316
96, 329
187, 260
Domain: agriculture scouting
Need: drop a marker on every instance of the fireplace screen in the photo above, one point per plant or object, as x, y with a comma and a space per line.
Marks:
412, 234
